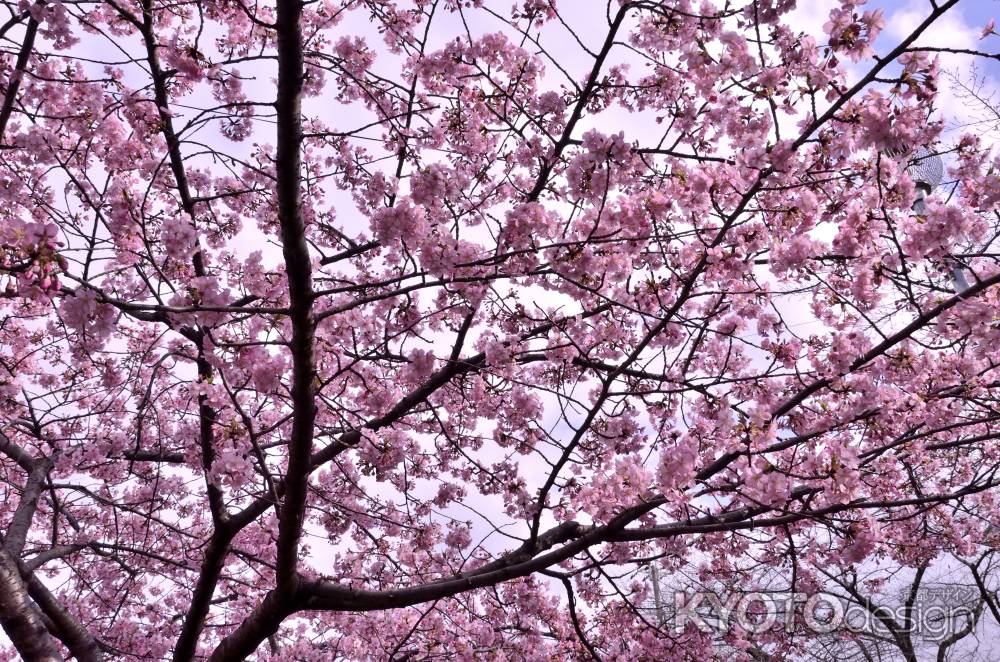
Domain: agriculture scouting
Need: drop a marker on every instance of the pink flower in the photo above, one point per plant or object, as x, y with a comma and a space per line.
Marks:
403, 222
267, 374
497, 352
231, 467
420, 367
179, 237
861, 543
989, 28
94, 321
677, 467
851, 34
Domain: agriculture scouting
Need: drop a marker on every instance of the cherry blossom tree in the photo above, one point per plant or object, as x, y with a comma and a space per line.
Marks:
365, 329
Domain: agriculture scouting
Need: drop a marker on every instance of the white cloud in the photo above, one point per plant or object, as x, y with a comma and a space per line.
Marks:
810, 16
950, 31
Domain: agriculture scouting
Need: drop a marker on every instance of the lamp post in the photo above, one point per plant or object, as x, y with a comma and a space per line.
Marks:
926, 169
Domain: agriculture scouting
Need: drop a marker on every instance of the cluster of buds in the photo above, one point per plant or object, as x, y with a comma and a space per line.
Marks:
29, 258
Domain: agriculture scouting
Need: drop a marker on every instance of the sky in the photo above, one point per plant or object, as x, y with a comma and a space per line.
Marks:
960, 28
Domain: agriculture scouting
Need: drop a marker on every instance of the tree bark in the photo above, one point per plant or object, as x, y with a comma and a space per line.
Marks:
19, 617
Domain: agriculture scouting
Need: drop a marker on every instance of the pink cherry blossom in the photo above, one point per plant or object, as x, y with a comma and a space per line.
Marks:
989, 28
